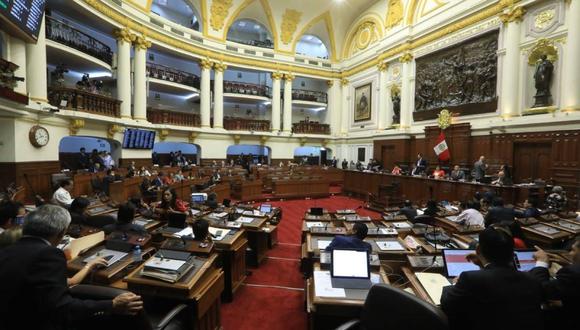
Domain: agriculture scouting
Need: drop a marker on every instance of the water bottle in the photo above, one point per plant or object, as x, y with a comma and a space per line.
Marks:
137, 254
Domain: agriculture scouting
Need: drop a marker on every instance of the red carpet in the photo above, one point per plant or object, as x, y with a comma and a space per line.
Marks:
280, 304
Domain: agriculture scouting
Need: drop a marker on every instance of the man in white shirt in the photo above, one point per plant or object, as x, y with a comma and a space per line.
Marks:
62, 195
470, 215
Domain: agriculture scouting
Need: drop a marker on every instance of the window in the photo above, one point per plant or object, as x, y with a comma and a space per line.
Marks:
178, 11
250, 32
311, 45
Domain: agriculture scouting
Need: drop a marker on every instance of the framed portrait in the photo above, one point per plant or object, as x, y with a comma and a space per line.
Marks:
362, 102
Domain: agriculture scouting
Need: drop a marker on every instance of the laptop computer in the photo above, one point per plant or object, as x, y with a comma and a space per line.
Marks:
316, 211
455, 263
266, 208
175, 222
350, 269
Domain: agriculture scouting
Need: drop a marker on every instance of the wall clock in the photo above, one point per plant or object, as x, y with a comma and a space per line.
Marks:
38, 136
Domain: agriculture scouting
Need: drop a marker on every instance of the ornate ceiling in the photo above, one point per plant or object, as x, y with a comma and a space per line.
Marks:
345, 26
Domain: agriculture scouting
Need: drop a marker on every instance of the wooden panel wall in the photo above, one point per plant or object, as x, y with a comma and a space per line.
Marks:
38, 174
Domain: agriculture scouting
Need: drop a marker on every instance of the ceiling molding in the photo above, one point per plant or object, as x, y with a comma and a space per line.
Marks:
372, 17
267, 10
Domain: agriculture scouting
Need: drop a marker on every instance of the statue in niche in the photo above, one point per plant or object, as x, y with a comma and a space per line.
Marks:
543, 79
396, 99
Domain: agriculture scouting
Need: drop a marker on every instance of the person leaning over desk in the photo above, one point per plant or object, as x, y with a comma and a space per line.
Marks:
497, 296
33, 279
353, 241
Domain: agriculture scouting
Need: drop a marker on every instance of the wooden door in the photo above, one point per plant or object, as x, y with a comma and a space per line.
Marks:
532, 161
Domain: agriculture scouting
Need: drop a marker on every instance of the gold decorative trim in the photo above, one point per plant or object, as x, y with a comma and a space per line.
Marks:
237, 138
263, 139
75, 125
113, 129
444, 119
219, 10
204, 17
303, 141
537, 111
277, 75
344, 82
362, 23
395, 90
513, 15
406, 58
141, 42
123, 34
163, 134
205, 64
330, 83
289, 77
192, 136
571, 108
290, 20
541, 48
146, 9
382, 66
220, 67
239, 9
412, 7
395, 13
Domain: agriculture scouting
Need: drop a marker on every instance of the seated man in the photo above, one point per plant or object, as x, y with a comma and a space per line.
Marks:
565, 287
62, 195
200, 230
496, 297
498, 213
125, 216
408, 210
33, 279
531, 209
457, 174
469, 215
353, 241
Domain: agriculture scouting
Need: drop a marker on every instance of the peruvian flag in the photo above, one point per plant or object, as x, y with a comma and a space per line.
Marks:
441, 148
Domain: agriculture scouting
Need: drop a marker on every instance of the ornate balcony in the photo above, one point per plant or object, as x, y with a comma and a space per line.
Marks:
310, 96
241, 124
235, 87
156, 116
162, 72
80, 100
310, 127
67, 35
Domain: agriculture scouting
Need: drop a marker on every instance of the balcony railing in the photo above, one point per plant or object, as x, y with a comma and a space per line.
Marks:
241, 124
256, 43
246, 89
67, 35
162, 72
312, 96
157, 116
80, 100
310, 127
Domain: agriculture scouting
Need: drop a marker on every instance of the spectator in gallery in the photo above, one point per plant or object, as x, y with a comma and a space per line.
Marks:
84, 159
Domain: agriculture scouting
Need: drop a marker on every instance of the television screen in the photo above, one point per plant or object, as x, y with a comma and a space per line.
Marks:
23, 17
138, 138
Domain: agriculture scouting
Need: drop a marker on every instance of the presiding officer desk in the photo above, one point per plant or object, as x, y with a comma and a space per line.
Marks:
419, 188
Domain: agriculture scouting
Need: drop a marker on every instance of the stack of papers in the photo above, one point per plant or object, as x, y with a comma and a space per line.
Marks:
401, 225
166, 269
233, 224
433, 284
322, 245
323, 286
388, 231
187, 231
245, 220
390, 246
218, 233
112, 256
311, 224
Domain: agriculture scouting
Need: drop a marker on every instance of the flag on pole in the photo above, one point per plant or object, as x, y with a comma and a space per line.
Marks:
441, 149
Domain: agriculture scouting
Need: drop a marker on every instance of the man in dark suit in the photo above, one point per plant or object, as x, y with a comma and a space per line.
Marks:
531, 209
498, 213
353, 241
33, 279
457, 174
565, 288
408, 210
420, 165
497, 296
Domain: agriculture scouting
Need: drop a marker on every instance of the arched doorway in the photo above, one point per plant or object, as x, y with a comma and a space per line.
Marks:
313, 155
168, 153
69, 151
247, 153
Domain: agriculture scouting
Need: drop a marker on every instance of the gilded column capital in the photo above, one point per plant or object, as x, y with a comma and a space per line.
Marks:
205, 64
330, 83
382, 66
514, 14
289, 76
75, 125
344, 82
406, 58
123, 34
220, 67
277, 76
141, 42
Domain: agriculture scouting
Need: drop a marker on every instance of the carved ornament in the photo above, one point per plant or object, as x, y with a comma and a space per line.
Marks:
543, 47
141, 42
75, 125
114, 129
394, 14
513, 15
163, 134
123, 34
290, 20
277, 75
219, 11
406, 58
444, 119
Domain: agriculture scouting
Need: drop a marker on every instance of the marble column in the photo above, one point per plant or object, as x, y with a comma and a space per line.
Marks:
36, 67
218, 98
124, 39
18, 57
333, 107
276, 98
140, 78
407, 100
383, 97
510, 73
287, 124
346, 101
205, 98
571, 59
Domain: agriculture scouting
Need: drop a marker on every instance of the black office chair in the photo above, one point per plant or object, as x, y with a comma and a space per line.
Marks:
142, 321
387, 307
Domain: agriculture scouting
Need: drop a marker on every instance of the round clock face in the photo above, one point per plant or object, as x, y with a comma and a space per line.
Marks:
39, 136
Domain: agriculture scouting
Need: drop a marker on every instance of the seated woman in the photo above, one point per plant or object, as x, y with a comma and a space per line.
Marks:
125, 217
438, 173
169, 203
397, 170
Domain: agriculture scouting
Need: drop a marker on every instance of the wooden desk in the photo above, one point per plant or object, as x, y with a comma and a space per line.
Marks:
247, 190
121, 191
293, 188
232, 251
200, 288
422, 188
222, 190
455, 227
328, 313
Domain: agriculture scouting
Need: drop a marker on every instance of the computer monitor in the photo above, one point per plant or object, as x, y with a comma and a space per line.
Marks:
348, 263
524, 260
316, 210
176, 220
198, 198
266, 208
456, 263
